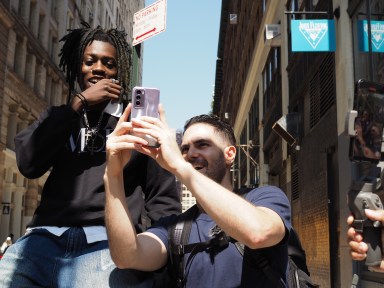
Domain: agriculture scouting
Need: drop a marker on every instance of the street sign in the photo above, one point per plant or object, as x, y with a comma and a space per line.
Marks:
149, 21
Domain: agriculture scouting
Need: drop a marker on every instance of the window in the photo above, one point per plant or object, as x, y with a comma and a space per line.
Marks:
254, 117
19, 64
99, 9
12, 126
264, 5
293, 5
40, 34
322, 90
30, 69
69, 20
367, 65
271, 76
310, 5
54, 13
33, 18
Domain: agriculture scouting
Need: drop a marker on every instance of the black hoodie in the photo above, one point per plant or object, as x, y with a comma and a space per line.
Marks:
74, 193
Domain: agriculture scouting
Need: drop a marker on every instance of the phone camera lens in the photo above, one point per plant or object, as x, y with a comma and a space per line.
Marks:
138, 97
138, 103
138, 92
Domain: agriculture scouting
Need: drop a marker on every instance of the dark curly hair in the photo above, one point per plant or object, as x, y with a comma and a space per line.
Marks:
221, 127
75, 42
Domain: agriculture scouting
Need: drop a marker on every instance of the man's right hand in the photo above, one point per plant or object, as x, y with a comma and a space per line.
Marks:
168, 155
358, 248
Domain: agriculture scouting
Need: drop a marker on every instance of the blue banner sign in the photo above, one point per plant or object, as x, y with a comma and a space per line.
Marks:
377, 35
313, 35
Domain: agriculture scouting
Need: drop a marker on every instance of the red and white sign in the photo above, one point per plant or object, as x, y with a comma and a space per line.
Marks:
149, 21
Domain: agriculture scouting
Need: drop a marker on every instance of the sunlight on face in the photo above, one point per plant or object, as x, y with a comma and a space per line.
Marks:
99, 62
203, 147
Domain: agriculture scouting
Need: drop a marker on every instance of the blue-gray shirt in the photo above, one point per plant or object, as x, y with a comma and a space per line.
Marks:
226, 268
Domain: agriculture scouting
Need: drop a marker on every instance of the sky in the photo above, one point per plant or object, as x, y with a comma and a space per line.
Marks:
181, 61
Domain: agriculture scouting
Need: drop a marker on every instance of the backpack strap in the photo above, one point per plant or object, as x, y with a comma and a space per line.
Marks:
257, 258
296, 251
178, 235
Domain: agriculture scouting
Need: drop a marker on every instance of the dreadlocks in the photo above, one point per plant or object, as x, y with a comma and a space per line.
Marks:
75, 42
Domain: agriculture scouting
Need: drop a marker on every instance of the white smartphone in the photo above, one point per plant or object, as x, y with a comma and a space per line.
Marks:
145, 102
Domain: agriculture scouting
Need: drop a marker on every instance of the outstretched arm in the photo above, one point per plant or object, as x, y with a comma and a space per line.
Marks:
144, 251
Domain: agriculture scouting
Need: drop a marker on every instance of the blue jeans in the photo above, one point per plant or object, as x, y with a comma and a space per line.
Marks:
41, 259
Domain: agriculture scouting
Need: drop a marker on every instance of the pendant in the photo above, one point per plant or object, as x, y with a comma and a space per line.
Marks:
89, 136
93, 140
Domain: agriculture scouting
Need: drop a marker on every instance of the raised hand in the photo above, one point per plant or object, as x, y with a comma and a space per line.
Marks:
168, 155
101, 91
120, 144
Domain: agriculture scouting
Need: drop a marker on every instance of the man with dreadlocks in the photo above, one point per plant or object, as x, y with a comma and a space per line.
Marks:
66, 242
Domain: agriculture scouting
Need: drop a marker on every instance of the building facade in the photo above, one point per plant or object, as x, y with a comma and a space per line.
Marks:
30, 81
187, 199
259, 80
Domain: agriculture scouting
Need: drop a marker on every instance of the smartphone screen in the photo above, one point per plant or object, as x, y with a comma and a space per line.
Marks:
369, 104
145, 102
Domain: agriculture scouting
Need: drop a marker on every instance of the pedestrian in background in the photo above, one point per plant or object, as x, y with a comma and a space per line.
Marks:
8, 242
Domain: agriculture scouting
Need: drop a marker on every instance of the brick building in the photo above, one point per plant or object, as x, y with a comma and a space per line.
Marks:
259, 80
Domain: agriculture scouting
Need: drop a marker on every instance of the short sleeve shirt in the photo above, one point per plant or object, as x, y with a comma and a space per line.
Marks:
226, 268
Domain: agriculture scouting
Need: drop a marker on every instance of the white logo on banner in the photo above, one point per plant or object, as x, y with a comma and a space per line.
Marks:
313, 32
377, 31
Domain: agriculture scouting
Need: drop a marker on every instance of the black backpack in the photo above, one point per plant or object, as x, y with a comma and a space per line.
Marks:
297, 277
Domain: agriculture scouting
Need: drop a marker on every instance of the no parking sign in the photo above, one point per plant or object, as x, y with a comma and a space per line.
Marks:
149, 21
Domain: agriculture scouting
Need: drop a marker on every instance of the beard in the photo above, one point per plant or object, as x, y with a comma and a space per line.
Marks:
217, 170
